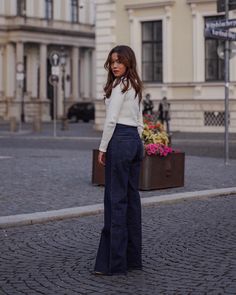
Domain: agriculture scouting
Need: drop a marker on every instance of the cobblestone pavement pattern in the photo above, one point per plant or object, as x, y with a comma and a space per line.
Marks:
41, 178
189, 247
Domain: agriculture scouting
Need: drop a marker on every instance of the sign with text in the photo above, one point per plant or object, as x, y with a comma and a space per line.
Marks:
220, 34
20, 76
221, 24
221, 5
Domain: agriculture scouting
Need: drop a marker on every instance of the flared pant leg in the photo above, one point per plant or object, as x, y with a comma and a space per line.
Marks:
121, 236
134, 248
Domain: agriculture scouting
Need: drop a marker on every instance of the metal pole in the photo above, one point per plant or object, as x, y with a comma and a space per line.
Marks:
20, 98
63, 127
54, 108
226, 141
22, 102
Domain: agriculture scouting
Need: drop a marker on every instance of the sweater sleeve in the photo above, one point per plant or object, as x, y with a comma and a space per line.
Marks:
116, 101
140, 121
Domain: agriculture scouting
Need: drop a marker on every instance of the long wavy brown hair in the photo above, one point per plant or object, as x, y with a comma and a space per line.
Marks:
126, 56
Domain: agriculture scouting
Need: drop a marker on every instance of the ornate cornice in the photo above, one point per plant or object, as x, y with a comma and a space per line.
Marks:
50, 31
150, 4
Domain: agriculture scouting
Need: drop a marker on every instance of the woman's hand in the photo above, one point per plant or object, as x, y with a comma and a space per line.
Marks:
102, 158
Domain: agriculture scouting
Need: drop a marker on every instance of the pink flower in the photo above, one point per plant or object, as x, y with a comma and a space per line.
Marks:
153, 149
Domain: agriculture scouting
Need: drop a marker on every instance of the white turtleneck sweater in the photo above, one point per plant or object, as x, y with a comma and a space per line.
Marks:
121, 108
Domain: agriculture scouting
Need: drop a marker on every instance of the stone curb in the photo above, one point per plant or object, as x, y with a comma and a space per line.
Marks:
42, 217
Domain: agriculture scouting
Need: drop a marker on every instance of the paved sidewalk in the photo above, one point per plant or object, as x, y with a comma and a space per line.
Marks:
35, 180
74, 130
197, 144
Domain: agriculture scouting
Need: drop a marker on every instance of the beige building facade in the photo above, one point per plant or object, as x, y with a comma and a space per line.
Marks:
29, 31
174, 58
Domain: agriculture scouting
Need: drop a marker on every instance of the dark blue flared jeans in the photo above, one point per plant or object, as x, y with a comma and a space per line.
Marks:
120, 243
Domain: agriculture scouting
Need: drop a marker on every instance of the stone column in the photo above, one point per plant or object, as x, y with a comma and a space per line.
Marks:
93, 74
10, 81
75, 73
1, 70
167, 46
87, 73
82, 76
198, 45
43, 72
10, 67
20, 52
20, 60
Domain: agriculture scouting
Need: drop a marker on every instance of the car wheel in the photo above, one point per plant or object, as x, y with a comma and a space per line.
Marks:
74, 119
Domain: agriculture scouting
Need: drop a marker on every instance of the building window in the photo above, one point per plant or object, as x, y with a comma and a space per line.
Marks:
21, 7
49, 9
74, 11
152, 51
214, 66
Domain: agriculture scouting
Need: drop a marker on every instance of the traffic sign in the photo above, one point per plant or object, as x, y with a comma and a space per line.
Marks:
220, 34
221, 5
20, 76
54, 58
55, 70
221, 24
20, 67
221, 50
53, 79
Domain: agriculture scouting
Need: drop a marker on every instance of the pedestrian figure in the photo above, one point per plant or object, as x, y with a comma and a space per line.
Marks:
164, 113
147, 105
121, 152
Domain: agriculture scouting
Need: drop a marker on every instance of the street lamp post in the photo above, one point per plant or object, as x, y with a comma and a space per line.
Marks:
63, 67
20, 76
22, 102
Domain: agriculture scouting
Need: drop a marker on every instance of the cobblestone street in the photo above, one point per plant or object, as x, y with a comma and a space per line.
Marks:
189, 247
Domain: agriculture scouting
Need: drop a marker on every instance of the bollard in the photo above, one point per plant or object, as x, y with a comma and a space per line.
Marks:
13, 124
37, 124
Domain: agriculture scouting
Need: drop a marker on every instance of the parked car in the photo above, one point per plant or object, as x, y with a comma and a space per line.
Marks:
81, 111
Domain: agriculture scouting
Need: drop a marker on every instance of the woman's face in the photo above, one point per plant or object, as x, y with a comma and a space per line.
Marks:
118, 69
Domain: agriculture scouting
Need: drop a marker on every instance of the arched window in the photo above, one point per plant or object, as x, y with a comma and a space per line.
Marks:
74, 11
49, 9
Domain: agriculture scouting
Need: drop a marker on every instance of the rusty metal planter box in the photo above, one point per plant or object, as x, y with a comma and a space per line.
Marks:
156, 172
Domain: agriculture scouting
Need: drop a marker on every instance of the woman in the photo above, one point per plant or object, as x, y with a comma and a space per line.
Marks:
121, 152
164, 113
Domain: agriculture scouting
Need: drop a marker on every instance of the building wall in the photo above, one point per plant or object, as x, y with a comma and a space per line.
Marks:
29, 39
184, 84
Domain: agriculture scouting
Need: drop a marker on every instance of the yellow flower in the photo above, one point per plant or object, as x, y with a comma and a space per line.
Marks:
155, 134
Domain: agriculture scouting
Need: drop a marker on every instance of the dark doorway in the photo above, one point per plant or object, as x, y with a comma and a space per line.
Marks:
49, 88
